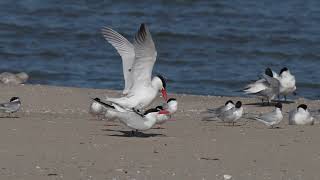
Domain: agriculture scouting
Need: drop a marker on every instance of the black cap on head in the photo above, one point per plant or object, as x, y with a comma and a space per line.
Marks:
303, 106
283, 69
97, 99
171, 99
269, 72
278, 105
163, 80
151, 111
13, 98
228, 102
159, 107
238, 104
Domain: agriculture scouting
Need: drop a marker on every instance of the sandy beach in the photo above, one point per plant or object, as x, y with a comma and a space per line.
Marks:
54, 137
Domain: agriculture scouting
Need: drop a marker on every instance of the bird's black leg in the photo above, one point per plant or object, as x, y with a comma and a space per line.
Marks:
285, 98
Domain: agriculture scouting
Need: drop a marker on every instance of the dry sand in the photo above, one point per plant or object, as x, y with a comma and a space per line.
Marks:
55, 138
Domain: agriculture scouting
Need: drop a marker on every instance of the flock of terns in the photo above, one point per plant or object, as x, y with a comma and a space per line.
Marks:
140, 90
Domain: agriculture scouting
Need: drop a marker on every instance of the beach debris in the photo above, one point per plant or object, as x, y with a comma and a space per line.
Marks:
13, 79
227, 177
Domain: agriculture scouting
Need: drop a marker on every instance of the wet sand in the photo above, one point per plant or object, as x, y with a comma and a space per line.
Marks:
54, 137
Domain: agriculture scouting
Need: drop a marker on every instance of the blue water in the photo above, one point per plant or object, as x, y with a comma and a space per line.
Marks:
204, 47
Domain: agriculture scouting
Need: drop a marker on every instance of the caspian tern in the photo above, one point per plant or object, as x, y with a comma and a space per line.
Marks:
233, 114
137, 60
301, 116
133, 119
287, 82
272, 118
266, 88
167, 110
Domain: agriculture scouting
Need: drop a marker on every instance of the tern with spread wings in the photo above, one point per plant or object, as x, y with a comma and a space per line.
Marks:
137, 60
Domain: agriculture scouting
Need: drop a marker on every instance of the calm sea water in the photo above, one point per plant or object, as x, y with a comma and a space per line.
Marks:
204, 47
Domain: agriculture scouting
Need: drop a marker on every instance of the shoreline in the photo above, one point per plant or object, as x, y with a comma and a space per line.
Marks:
55, 137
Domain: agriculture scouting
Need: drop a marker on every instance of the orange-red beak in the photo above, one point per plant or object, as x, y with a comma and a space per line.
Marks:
164, 112
164, 94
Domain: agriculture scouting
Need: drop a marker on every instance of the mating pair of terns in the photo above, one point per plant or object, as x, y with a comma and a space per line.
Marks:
137, 120
138, 60
272, 85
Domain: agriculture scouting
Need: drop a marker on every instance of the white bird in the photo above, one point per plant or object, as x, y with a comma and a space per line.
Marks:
214, 113
167, 110
287, 82
233, 114
134, 119
301, 116
272, 118
96, 109
12, 106
10, 78
137, 60
266, 88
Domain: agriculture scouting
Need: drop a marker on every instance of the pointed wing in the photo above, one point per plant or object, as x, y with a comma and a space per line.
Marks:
126, 51
145, 57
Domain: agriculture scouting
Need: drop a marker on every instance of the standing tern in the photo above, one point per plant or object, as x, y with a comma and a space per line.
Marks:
233, 114
301, 116
12, 106
137, 60
287, 82
214, 113
272, 118
267, 88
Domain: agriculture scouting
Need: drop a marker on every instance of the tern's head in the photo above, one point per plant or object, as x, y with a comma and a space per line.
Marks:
172, 105
238, 104
228, 102
284, 70
23, 76
159, 82
15, 99
279, 105
268, 72
302, 106
159, 108
151, 113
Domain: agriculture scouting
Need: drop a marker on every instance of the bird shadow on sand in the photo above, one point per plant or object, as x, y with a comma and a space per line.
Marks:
9, 117
130, 134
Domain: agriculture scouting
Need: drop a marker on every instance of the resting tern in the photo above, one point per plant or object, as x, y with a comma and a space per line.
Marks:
272, 118
266, 88
134, 119
233, 114
12, 106
137, 60
301, 116
287, 82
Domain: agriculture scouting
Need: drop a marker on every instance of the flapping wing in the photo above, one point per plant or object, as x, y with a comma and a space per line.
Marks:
145, 57
126, 51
